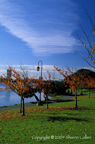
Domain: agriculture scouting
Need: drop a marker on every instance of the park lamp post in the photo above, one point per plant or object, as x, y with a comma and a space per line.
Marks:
38, 68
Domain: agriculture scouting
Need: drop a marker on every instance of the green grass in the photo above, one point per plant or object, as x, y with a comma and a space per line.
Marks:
61, 123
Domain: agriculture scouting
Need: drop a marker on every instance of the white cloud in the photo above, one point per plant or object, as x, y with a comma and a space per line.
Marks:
90, 68
2, 70
33, 68
12, 17
30, 68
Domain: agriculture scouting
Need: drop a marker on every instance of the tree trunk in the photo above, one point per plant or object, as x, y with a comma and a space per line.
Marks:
21, 105
46, 101
81, 91
23, 111
36, 97
76, 99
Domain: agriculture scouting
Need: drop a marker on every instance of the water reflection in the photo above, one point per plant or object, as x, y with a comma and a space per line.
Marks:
7, 96
10, 98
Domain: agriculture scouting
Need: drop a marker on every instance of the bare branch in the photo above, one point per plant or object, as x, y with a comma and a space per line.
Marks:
85, 59
89, 17
85, 35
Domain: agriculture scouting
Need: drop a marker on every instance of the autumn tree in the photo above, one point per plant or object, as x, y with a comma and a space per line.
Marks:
46, 85
21, 84
89, 83
74, 80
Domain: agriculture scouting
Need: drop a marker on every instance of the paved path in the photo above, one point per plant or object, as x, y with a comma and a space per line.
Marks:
63, 99
16, 106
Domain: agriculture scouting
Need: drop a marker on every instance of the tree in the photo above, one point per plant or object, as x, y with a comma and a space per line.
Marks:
89, 83
74, 80
86, 73
21, 84
58, 88
89, 46
46, 85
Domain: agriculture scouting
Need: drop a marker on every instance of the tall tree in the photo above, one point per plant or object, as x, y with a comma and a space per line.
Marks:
21, 84
46, 85
89, 83
74, 80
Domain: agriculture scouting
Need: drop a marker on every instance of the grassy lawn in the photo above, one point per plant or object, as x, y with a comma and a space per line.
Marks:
61, 123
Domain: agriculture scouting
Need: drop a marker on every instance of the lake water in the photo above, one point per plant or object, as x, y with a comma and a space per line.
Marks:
11, 98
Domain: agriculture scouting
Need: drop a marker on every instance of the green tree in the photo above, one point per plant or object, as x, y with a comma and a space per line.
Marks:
58, 88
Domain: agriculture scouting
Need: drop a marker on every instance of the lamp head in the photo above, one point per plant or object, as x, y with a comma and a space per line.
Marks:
38, 68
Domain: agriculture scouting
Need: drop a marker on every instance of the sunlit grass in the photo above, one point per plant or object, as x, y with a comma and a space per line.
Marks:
59, 124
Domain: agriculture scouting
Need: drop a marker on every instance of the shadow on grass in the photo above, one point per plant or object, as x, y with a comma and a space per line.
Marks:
82, 94
59, 100
81, 108
52, 101
63, 118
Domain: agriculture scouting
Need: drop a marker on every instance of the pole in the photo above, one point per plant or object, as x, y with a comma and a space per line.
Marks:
46, 101
41, 76
76, 99
41, 67
23, 112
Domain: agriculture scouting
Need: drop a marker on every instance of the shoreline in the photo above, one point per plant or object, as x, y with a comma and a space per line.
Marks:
35, 102
57, 99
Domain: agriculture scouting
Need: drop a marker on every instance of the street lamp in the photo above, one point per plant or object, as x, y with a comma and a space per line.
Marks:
38, 68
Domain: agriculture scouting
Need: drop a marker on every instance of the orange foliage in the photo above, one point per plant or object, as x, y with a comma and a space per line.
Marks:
45, 84
74, 81
24, 86
9, 114
89, 82
20, 83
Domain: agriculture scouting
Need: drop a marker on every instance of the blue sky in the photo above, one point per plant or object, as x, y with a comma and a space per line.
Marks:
33, 30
